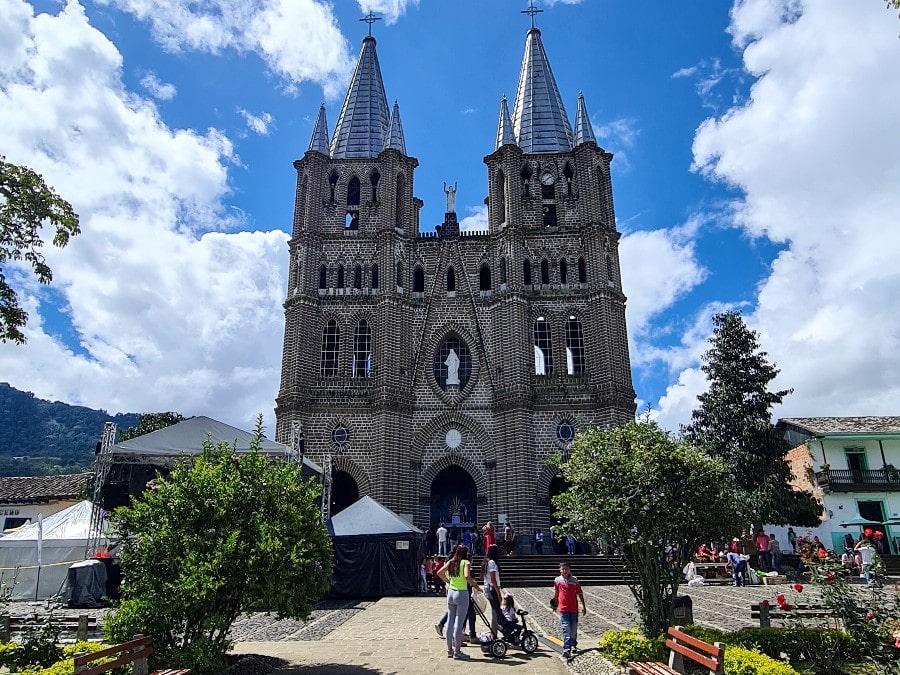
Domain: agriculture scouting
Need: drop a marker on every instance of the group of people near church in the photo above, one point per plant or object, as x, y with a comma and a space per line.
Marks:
461, 583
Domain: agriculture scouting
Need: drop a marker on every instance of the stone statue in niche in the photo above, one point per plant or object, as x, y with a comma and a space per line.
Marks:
452, 364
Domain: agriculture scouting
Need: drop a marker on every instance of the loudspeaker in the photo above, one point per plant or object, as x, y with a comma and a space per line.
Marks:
114, 495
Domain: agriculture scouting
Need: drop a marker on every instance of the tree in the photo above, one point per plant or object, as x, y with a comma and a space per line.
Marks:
656, 497
149, 422
225, 535
734, 422
26, 203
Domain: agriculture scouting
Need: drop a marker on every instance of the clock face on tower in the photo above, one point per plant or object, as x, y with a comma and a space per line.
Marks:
547, 178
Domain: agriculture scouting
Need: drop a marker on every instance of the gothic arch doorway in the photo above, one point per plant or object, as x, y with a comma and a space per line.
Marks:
454, 498
344, 491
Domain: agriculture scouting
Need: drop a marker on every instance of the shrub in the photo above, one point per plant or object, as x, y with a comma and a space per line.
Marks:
629, 645
7, 653
740, 661
222, 535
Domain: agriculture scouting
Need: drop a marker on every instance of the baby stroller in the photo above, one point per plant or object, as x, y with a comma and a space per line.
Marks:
511, 633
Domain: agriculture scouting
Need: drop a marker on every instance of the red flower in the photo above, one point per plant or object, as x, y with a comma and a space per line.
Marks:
763, 603
782, 602
829, 575
868, 532
869, 616
798, 588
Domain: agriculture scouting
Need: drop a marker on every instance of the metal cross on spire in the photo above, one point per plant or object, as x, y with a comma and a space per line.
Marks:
370, 18
532, 10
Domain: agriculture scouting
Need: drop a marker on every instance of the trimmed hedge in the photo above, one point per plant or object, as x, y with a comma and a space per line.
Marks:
740, 661
623, 646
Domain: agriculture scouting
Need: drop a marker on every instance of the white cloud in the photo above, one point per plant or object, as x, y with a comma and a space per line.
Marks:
170, 311
391, 10
164, 91
617, 136
298, 39
257, 123
816, 153
475, 220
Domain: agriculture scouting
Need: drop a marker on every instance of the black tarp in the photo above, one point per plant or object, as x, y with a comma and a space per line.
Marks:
376, 552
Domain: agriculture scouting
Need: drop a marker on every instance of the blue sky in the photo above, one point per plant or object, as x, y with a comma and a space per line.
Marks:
757, 167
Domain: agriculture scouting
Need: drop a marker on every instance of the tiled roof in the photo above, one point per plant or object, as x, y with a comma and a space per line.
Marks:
845, 425
20, 489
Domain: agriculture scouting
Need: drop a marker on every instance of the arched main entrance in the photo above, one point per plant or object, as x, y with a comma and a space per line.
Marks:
344, 491
454, 498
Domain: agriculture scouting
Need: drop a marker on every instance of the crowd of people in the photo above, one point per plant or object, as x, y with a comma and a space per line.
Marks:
442, 539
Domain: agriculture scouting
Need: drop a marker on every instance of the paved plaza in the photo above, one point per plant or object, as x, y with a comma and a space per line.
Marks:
396, 635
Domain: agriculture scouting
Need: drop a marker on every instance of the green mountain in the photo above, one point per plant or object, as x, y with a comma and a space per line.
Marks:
39, 438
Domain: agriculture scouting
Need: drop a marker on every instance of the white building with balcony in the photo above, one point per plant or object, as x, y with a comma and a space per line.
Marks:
851, 464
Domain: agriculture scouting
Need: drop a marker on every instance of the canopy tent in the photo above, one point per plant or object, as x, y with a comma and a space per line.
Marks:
376, 552
44, 551
187, 438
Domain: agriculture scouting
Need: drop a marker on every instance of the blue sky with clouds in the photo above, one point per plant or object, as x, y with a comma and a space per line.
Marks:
757, 167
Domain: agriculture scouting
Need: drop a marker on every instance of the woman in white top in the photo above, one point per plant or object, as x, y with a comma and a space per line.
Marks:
491, 573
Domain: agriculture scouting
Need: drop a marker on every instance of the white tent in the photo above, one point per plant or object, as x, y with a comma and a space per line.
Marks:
43, 566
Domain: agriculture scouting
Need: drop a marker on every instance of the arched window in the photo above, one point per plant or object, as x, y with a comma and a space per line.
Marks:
332, 184
340, 276
610, 272
451, 279
503, 271
362, 350
351, 220
418, 280
399, 274
568, 173
543, 347
563, 271
500, 192
574, 346
353, 192
582, 271
601, 189
374, 282
331, 340
323, 277
374, 177
357, 277
545, 271
302, 197
525, 175
398, 199
526, 272
484, 278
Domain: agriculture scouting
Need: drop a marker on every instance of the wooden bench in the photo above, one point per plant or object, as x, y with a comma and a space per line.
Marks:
134, 651
681, 646
82, 625
766, 614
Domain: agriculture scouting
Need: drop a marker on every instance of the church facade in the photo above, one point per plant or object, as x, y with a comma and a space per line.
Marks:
436, 371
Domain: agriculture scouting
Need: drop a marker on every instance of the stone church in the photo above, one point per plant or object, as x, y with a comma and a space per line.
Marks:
436, 369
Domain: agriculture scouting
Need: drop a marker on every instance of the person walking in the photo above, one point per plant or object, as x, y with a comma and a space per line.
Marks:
457, 574
866, 552
442, 540
792, 539
509, 538
490, 536
490, 572
566, 594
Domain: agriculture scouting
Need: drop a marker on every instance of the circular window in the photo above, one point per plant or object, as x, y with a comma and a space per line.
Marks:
452, 364
453, 438
340, 435
565, 432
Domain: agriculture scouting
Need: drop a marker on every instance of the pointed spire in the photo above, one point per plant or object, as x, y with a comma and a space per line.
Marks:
363, 123
319, 140
505, 135
584, 130
539, 118
395, 140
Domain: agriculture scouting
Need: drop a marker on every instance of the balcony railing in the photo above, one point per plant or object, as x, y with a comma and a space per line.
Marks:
850, 480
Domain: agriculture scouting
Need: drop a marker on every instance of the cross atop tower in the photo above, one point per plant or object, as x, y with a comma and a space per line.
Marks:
370, 18
531, 11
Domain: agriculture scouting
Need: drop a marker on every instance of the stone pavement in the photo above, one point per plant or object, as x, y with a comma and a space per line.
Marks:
396, 635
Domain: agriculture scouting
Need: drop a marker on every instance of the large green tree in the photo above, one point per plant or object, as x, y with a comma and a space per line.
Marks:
734, 422
656, 497
149, 422
26, 204
225, 534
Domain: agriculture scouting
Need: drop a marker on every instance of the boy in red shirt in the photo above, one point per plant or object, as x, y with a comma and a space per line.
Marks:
566, 593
